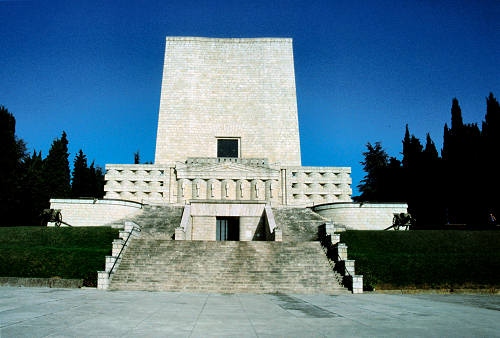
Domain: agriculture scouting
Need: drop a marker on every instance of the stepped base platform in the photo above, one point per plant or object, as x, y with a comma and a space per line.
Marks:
226, 267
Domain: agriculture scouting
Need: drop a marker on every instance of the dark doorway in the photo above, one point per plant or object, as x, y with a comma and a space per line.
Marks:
227, 148
228, 229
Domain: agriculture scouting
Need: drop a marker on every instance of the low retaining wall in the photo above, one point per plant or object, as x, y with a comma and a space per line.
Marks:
94, 212
41, 282
361, 216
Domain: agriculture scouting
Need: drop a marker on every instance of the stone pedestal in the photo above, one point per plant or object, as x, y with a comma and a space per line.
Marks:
180, 235
341, 251
278, 235
357, 284
102, 280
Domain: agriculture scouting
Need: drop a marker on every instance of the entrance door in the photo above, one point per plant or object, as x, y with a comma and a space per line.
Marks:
228, 229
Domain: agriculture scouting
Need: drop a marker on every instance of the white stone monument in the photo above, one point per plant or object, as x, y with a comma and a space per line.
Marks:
228, 134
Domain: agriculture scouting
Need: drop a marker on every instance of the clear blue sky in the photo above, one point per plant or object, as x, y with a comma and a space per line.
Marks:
363, 69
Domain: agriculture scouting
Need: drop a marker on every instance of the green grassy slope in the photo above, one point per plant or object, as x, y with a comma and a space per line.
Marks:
55, 252
425, 259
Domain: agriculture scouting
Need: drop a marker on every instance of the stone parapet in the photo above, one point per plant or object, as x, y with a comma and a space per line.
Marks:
214, 160
216, 178
94, 212
145, 183
227, 40
309, 186
361, 216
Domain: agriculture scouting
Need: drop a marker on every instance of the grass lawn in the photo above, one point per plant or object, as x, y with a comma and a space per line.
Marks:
425, 258
55, 252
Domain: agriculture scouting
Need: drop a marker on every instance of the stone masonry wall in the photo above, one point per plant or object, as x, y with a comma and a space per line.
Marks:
228, 88
89, 212
145, 183
203, 228
362, 216
294, 186
248, 228
308, 186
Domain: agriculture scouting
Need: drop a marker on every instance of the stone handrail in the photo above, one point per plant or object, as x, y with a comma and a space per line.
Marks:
271, 222
185, 226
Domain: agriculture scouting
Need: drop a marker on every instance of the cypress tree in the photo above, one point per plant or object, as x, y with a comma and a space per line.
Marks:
456, 116
96, 181
406, 147
376, 160
446, 143
12, 156
81, 183
430, 151
56, 169
491, 143
34, 193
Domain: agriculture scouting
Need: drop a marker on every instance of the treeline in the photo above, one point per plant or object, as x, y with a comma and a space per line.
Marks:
461, 186
28, 181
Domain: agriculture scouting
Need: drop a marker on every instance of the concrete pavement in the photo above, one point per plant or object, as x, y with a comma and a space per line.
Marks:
41, 312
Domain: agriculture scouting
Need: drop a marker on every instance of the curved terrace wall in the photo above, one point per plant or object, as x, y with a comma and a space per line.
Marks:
361, 216
94, 212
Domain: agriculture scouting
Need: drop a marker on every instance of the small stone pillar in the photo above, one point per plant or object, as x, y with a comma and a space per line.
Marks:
341, 251
124, 234
129, 226
335, 238
278, 235
349, 267
180, 234
330, 229
117, 247
357, 284
102, 280
110, 261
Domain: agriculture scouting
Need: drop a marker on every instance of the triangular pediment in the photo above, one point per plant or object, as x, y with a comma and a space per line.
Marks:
225, 170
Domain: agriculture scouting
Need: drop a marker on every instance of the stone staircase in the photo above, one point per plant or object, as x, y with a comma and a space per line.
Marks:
157, 221
226, 267
298, 224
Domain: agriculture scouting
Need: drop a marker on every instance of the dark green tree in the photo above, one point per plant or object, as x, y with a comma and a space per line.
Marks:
427, 203
81, 182
412, 150
96, 181
463, 153
35, 197
376, 160
137, 157
456, 116
56, 169
12, 156
491, 144
430, 151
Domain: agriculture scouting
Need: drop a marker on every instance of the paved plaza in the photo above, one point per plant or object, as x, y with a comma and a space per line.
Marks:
41, 312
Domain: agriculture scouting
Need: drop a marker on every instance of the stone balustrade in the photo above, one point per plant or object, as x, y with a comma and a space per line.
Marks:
308, 186
219, 178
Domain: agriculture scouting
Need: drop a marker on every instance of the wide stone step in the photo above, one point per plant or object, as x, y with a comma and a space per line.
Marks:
210, 266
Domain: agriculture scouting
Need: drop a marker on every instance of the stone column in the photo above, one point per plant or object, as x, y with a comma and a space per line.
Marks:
227, 190
243, 190
283, 187
183, 188
213, 189
267, 184
239, 190
257, 190
172, 180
